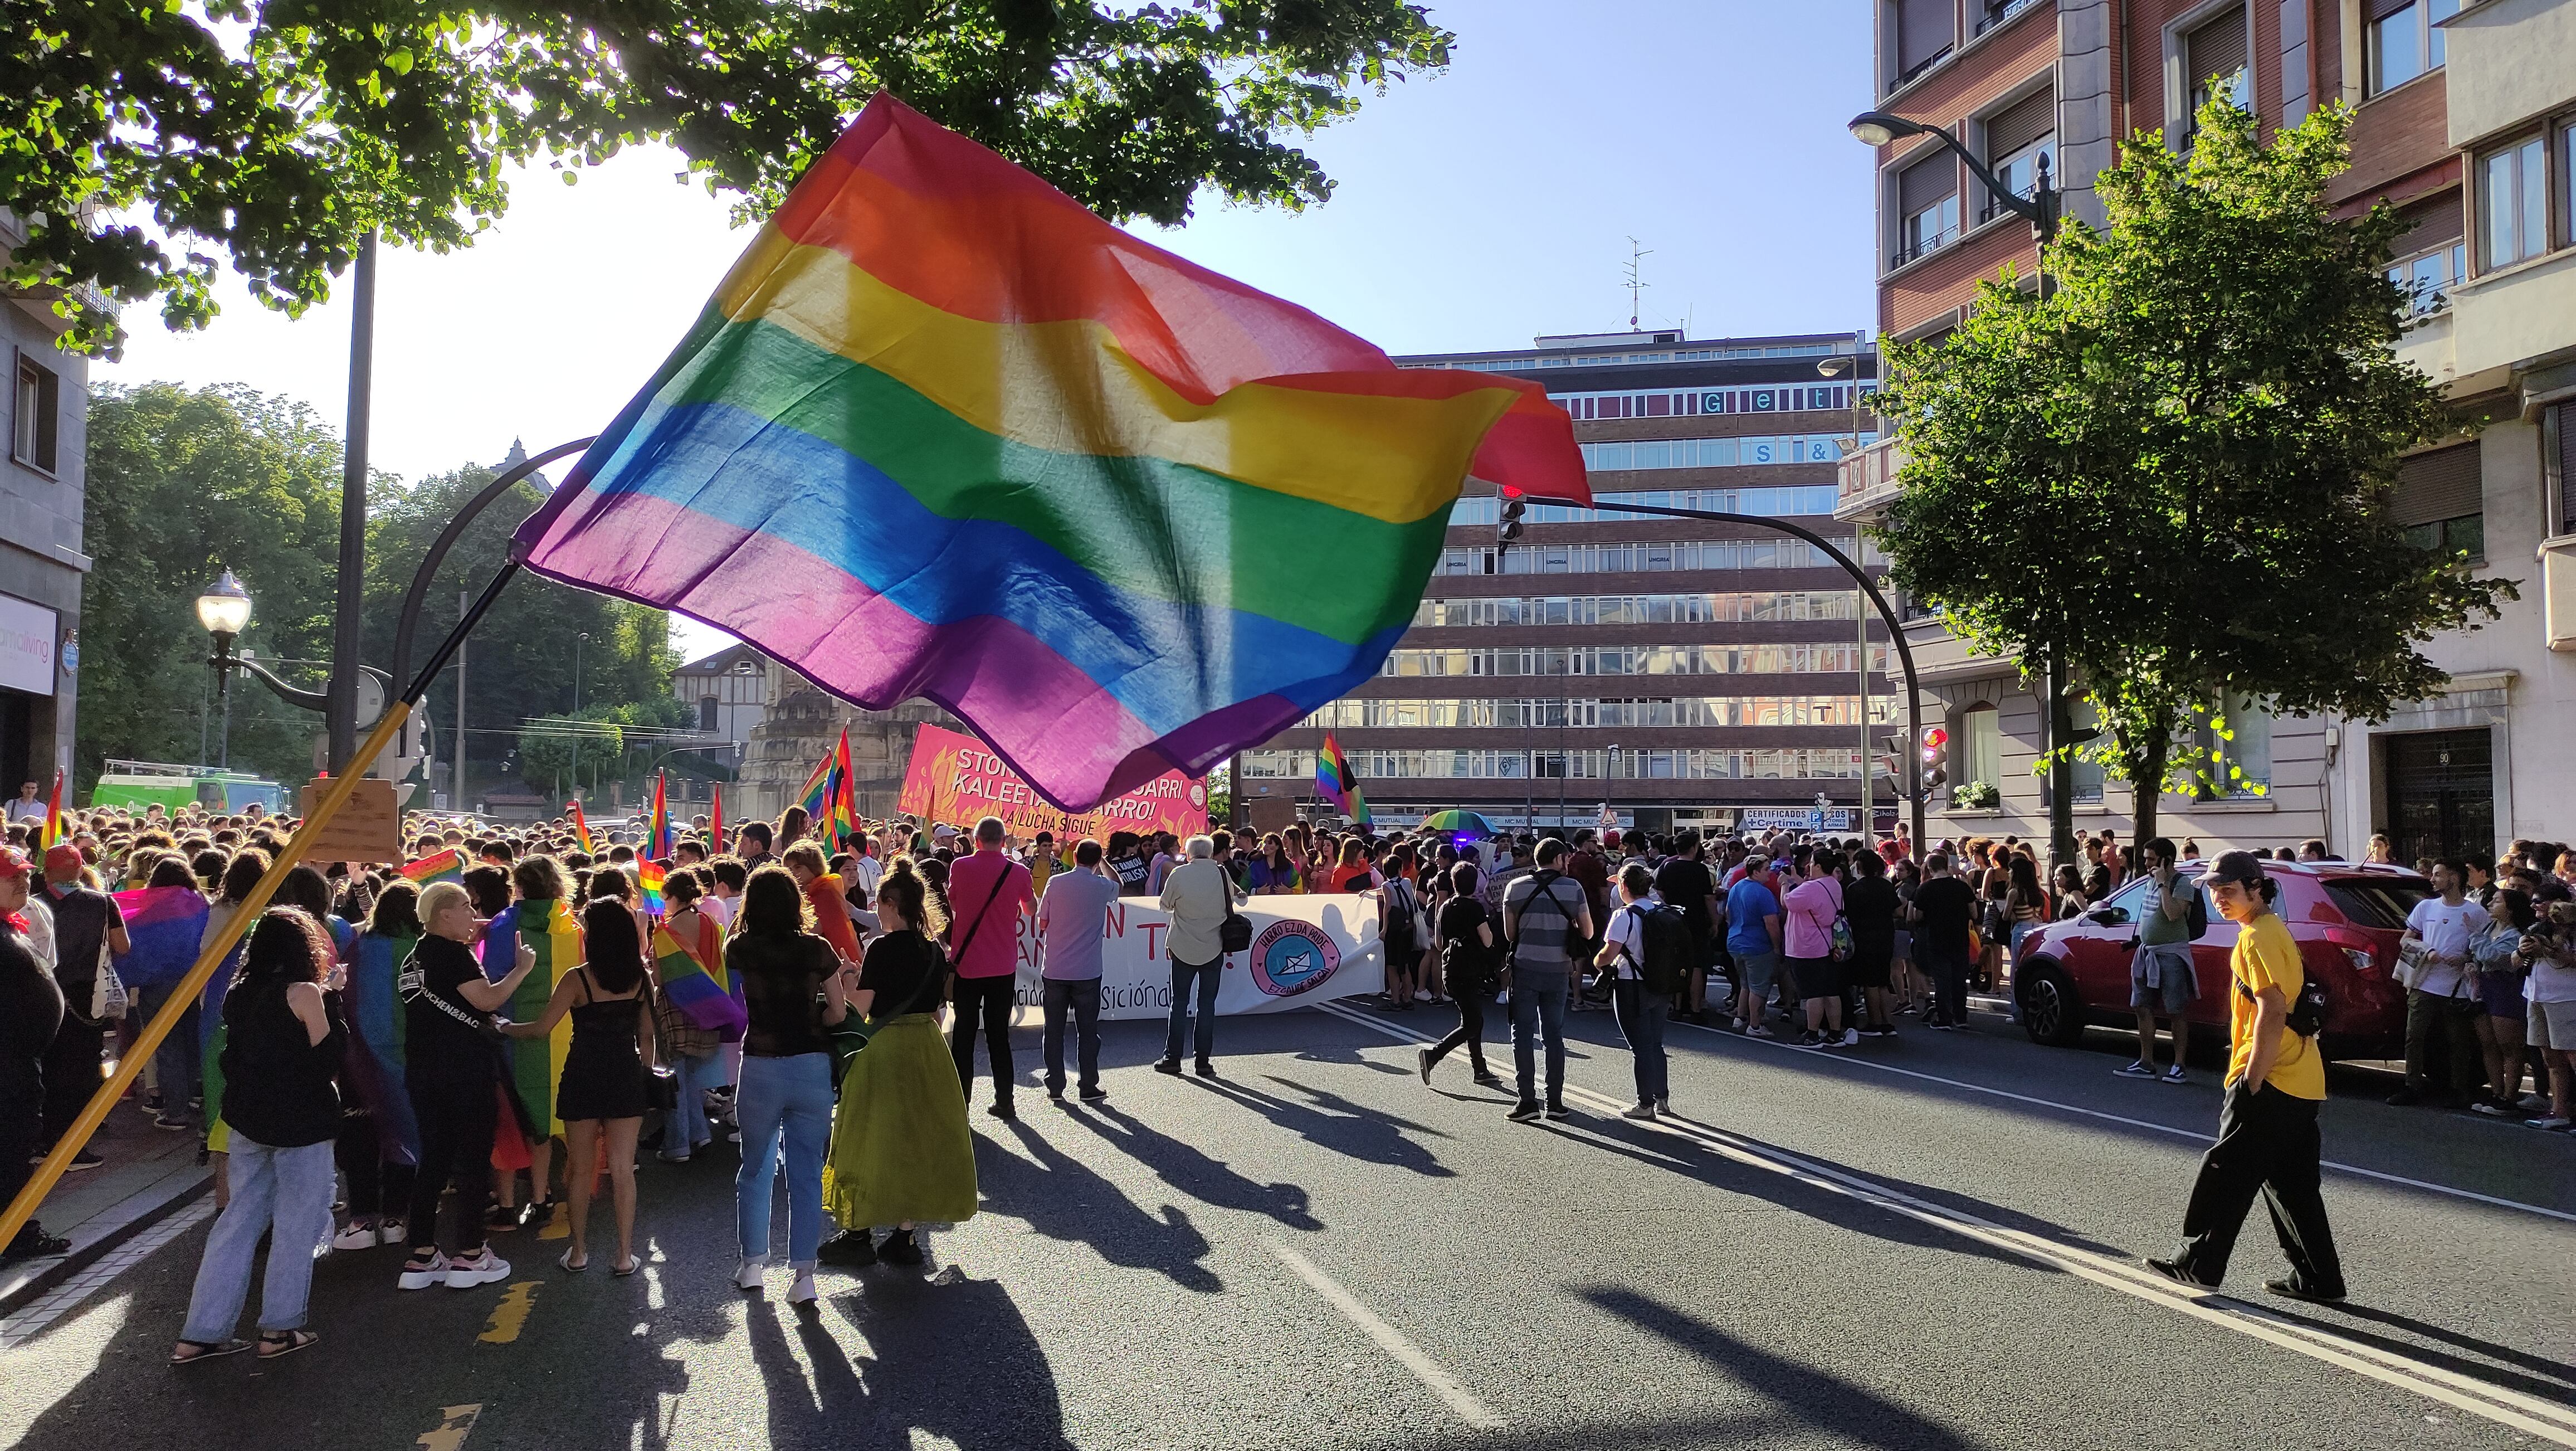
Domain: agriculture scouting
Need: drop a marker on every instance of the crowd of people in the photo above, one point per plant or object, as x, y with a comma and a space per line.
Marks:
382, 1036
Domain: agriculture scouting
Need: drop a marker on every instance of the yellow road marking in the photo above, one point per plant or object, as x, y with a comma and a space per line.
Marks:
449, 1434
511, 1315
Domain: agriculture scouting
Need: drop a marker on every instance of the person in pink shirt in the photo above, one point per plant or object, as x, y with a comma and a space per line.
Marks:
988, 894
1808, 914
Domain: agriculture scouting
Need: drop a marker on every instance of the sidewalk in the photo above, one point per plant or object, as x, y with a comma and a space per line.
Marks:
148, 1174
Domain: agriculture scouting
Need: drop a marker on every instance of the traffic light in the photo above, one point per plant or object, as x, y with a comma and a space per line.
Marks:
1936, 758
1514, 519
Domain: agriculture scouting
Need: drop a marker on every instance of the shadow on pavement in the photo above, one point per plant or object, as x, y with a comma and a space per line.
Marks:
1368, 1135
950, 1358
1187, 1168
2551, 1380
1063, 1199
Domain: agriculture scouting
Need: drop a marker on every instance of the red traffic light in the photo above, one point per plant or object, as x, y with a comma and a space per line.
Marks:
1934, 738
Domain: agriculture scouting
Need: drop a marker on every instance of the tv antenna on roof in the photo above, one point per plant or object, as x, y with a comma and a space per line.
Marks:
1636, 281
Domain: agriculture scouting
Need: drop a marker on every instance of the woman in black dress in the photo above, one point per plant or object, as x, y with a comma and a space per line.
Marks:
606, 1071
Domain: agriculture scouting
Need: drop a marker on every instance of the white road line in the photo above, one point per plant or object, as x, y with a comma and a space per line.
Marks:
31, 1321
1842, 1056
1391, 1340
2545, 1419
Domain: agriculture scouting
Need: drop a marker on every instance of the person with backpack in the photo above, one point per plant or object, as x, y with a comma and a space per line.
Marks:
2267, 1128
1466, 948
2170, 919
1645, 949
1400, 928
1812, 911
1547, 921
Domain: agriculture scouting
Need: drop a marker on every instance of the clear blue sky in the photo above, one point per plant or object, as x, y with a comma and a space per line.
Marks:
1475, 210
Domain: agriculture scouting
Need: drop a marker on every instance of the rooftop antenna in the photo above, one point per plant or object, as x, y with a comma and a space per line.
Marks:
1636, 281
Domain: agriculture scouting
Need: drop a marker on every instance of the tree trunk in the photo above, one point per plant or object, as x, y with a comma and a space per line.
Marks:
2061, 769
2147, 783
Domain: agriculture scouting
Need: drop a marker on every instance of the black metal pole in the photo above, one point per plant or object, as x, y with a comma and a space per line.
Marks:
455, 640
341, 718
414, 598
1895, 627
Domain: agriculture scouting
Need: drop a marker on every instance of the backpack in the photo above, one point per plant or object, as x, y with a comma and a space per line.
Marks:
1667, 943
1466, 964
1402, 923
1577, 946
2307, 1015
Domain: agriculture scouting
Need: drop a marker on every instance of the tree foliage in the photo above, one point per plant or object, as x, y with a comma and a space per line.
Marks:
149, 141
2176, 466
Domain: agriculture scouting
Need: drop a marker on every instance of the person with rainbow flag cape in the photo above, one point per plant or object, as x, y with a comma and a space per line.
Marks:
381, 1143
540, 919
698, 1012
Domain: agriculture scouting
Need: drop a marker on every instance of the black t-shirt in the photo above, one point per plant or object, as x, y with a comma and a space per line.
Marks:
1133, 872
1686, 884
82, 920
907, 972
782, 991
1459, 920
442, 1032
31, 1010
279, 1085
1944, 902
1869, 903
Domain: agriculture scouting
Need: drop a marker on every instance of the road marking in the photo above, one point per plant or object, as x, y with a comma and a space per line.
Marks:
66, 1297
1837, 1055
2545, 1419
1391, 1340
511, 1315
449, 1433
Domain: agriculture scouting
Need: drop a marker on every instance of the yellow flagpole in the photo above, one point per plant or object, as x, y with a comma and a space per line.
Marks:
190, 988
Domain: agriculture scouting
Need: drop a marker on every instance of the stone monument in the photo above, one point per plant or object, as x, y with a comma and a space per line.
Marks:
802, 726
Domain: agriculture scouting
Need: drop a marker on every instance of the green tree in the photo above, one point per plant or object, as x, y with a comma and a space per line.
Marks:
280, 134
2171, 473
181, 486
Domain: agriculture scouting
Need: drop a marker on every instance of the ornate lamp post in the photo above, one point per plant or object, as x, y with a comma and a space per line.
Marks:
224, 611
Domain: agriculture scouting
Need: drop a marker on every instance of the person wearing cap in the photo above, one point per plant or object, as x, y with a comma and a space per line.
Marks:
87, 922
2267, 1127
31, 1013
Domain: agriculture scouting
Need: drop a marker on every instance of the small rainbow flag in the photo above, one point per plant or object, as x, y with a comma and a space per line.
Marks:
1336, 782
650, 876
698, 989
442, 866
581, 828
716, 843
929, 355
815, 795
657, 831
55, 831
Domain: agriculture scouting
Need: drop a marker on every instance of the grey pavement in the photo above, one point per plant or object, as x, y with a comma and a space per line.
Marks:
1915, 1243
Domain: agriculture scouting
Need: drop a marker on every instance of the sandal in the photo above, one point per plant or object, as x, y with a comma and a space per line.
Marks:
564, 1262
206, 1350
631, 1266
274, 1343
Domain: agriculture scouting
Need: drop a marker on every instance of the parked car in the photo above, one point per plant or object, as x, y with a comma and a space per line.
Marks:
2345, 916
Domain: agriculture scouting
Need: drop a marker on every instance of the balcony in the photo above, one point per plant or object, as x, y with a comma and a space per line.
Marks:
1866, 480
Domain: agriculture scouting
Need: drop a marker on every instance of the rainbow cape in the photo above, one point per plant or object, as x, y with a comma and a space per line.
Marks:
700, 990
438, 866
211, 1039
928, 357
165, 925
376, 1056
536, 1064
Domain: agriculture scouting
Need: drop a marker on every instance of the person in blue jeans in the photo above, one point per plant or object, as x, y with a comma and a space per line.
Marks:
1640, 1013
793, 992
1545, 914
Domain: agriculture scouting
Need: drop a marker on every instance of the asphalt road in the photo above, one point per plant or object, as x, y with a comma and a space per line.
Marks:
1920, 1243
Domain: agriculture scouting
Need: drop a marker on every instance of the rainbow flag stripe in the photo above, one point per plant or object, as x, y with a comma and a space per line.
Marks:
650, 876
698, 989
440, 866
165, 927
927, 356
536, 1064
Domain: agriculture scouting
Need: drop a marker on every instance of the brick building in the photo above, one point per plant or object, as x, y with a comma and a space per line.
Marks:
1541, 682
42, 566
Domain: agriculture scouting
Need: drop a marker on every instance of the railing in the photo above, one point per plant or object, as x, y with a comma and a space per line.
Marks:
1924, 248
1999, 11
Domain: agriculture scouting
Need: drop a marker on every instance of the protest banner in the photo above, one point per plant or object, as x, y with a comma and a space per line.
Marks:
957, 779
1305, 950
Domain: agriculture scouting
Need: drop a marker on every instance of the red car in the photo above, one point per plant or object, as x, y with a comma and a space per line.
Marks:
2345, 916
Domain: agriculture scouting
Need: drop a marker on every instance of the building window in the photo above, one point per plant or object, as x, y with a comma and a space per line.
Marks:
1926, 32
2513, 211
2432, 254
1981, 747
37, 415
2402, 41
2017, 137
2087, 773
2249, 753
2440, 501
2558, 459
1927, 198
2213, 60
707, 714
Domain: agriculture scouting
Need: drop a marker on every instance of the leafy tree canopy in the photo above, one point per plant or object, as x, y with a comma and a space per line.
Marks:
280, 134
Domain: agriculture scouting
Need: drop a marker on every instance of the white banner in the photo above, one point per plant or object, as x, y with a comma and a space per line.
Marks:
27, 645
1305, 950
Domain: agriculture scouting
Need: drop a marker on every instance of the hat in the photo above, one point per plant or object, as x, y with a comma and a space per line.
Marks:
13, 864
2234, 866
942, 832
64, 857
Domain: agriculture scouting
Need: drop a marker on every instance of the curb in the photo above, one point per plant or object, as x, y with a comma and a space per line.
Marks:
25, 1282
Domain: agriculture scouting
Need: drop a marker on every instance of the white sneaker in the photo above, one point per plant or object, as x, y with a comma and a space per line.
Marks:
748, 1277
1640, 1111
802, 1292
481, 1269
356, 1236
1739, 1025
421, 1277
1851, 1037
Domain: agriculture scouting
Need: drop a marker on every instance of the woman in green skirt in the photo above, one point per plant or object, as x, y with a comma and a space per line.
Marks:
901, 1151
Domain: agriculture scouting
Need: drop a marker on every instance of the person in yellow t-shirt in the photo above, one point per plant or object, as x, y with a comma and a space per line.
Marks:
2267, 1128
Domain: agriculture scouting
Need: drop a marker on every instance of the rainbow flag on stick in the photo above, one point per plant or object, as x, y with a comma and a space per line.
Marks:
929, 355
700, 990
657, 833
816, 794
536, 1064
581, 828
55, 831
716, 844
441, 866
1336, 782
650, 876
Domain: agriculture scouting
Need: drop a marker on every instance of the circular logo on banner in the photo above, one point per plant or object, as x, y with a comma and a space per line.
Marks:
1290, 957
1198, 794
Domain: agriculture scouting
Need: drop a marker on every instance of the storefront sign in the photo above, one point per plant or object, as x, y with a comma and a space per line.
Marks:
957, 779
26, 646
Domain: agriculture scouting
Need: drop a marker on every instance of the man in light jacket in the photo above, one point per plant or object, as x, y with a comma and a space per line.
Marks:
1198, 894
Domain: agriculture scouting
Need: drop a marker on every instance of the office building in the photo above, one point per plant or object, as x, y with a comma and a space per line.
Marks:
41, 563
1680, 672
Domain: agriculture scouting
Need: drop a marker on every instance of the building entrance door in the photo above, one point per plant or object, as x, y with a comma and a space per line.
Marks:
2441, 793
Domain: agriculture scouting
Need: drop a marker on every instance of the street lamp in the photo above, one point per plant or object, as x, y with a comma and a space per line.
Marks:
224, 611
1877, 128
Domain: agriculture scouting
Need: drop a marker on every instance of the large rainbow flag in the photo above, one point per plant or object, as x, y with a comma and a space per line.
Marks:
943, 433
536, 1064
164, 926
698, 987
376, 1055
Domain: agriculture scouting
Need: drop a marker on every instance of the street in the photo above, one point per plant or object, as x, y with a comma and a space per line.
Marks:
1922, 1242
